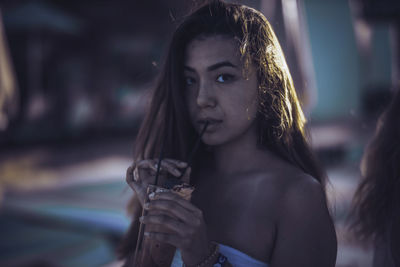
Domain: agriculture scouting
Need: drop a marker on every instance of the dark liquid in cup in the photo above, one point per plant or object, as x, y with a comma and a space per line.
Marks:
149, 252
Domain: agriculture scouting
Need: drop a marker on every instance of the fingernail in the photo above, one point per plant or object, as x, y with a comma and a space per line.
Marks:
152, 195
161, 190
146, 205
183, 164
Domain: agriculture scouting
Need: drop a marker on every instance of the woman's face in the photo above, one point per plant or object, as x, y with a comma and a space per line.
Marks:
218, 92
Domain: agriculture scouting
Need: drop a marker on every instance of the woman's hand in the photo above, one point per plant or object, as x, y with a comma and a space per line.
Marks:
142, 173
183, 223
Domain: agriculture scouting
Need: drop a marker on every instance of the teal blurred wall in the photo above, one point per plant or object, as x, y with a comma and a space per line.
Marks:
339, 71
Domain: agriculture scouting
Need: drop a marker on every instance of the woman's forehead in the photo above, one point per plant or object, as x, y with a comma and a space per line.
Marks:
212, 49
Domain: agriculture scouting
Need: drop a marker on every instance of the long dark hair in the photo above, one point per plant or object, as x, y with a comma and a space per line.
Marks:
377, 198
280, 120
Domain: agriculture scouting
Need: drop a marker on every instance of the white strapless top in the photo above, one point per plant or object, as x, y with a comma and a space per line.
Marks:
235, 257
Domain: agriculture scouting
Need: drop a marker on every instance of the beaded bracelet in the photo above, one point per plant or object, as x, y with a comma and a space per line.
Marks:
212, 258
221, 260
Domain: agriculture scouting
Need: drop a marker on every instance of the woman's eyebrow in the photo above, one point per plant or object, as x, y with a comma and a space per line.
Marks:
221, 64
189, 68
214, 66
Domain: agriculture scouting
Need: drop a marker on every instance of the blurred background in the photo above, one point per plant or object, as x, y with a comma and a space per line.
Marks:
74, 84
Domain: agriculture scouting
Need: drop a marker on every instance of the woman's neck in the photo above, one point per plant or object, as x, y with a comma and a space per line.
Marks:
242, 154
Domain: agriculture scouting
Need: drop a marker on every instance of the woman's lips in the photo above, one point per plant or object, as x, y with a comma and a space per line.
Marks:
212, 124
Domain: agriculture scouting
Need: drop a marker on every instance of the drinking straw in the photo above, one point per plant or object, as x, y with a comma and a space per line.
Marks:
195, 147
160, 158
141, 227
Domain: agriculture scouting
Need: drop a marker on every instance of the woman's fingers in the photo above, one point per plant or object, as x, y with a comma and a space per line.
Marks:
152, 163
142, 173
181, 233
169, 196
147, 163
170, 212
129, 173
140, 191
164, 220
171, 239
146, 170
170, 167
170, 207
184, 168
177, 163
149, 167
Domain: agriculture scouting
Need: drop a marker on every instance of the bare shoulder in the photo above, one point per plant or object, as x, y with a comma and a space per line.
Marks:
285, 189
305, 227
300, 195
290, 182
303, 192
304, 198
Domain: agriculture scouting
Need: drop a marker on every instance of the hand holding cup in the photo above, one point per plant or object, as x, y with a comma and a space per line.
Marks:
142, 173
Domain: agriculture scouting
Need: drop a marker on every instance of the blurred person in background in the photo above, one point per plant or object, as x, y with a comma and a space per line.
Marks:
8, 89
259, 197
8, 86
376, 203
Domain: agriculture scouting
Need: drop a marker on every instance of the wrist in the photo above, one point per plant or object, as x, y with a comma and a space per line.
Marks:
210, 259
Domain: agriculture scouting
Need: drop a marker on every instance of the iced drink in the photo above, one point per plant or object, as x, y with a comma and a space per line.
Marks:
152, 253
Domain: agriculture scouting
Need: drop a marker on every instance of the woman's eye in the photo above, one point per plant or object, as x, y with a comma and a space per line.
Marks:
189, 81
223, 78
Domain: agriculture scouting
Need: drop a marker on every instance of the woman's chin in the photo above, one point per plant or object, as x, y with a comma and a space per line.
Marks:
211, 140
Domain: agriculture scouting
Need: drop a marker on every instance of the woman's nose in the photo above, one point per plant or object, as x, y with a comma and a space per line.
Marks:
205, 97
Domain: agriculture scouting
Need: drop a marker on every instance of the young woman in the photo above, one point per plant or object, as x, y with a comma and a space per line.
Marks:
376, 203
259, 197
